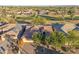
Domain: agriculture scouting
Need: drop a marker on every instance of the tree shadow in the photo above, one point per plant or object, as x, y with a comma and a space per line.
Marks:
44, 50
3, 32
8, 30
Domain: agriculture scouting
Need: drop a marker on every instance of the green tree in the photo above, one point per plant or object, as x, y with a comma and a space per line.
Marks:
37, 38
73, 39
57, 39
71, 12
38, 20
63, 12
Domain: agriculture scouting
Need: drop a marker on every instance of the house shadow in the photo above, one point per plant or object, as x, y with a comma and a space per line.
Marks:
28, 33
44, 50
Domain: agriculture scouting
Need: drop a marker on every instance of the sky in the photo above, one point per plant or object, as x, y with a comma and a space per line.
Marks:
39, 2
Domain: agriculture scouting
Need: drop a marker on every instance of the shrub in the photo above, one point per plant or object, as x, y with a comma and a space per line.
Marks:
73, 38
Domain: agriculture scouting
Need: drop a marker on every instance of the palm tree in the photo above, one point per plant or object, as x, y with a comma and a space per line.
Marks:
37, 38
40, 40
57, 39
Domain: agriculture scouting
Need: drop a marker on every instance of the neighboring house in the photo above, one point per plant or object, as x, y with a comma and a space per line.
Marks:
68, 27
29, 32
48, 28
